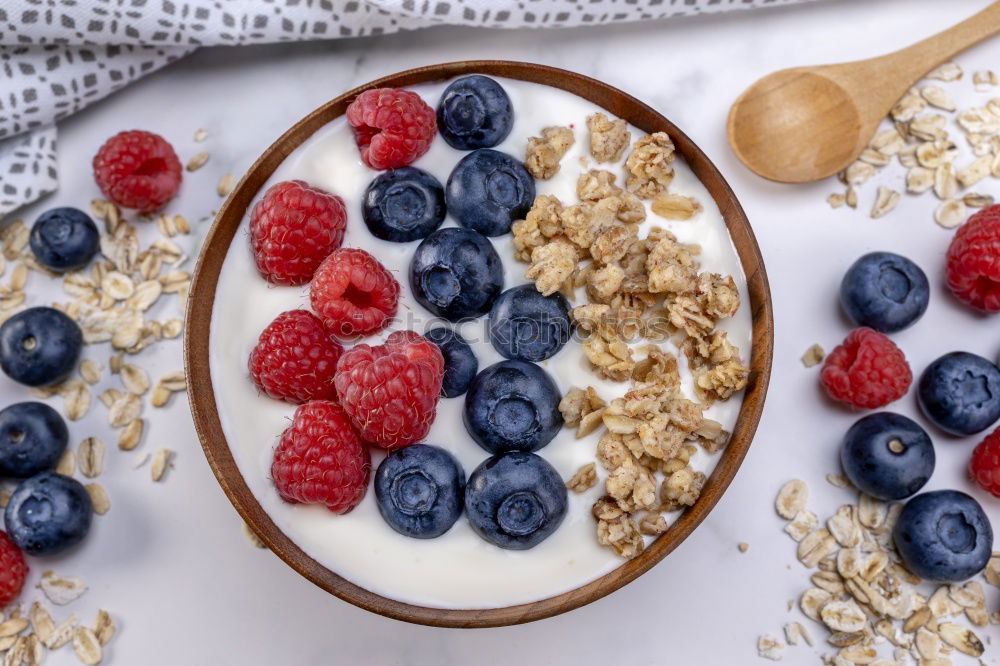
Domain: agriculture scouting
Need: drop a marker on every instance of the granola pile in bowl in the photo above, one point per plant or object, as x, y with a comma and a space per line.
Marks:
597, 218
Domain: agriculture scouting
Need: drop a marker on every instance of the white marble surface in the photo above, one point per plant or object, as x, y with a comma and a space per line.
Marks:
169, 560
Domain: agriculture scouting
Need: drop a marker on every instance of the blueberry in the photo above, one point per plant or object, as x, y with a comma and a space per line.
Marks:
943, 536
460, 362
960, 393
512, 406
528, 326
64, 239
887, 456
48, 514
515, 500
420, 490
884, 291
474, 112
455, 273
403, 205
488, 190
33, 437
39, 346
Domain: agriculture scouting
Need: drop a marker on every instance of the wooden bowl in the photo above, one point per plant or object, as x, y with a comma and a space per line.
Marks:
202, 398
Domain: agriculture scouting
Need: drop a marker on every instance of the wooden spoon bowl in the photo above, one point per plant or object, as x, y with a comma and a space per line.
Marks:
226, 229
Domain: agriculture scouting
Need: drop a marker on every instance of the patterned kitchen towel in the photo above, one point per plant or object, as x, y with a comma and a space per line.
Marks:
58, 56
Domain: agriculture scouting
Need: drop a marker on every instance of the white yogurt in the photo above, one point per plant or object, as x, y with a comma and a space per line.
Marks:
458, 569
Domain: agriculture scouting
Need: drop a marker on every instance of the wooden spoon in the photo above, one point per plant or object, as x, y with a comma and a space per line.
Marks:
802, 124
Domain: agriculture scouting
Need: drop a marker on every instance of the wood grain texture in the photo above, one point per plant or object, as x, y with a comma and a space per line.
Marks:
806, 123
201, 392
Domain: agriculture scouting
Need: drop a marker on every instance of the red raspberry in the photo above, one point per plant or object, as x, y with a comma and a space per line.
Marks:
393, 127
296, 358
13, 570
293, 228
321, 460
984, 468
353, 293
391, 391
137, 169
973, 269
867, 370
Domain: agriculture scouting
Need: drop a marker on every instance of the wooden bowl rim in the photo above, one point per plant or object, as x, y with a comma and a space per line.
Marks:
202, 398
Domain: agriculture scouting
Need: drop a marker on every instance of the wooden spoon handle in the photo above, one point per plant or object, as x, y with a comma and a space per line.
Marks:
909, 65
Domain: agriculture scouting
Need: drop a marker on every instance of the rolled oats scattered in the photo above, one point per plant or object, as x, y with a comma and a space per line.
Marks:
86, 646
91, 457
791, 499
225, 185
131, 435
936, 96
951, 213
962, 639
836, 200
13, 626
815, 546
837, 480
200, 135
886, 199
161, 461
743, 546
104, 627
172, 328
134, 379
67, 463
61, 590
197, 161
813, 356
947, 72
945, 181
976, 200
769, 647
125, 408
77, 399
252, 537
99, 498
984, 80
858, 173
90, 371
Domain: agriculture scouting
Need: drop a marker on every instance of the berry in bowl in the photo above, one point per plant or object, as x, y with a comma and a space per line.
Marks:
484, 377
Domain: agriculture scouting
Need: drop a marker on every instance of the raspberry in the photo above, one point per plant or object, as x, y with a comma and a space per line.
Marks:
13, 570
137, 169
293, 228
320, 459
296, 358
391, 391
973, 268
984, 468
393, 127
867, 370
353, 293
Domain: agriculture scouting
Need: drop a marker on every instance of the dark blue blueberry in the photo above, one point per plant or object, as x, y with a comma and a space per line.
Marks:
960, 393
474, 112
33, 437
528, 326
420, 490
887, 456
39, 346
512, 406
456, 274
943, 536
460, 362
48, 514
64, 239
488, 190
515, 500
403, 205
884, 291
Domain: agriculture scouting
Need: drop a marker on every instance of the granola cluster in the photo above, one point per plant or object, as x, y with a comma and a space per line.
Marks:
640, 292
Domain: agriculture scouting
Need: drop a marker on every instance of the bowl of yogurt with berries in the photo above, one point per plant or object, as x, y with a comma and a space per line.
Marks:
478, 343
